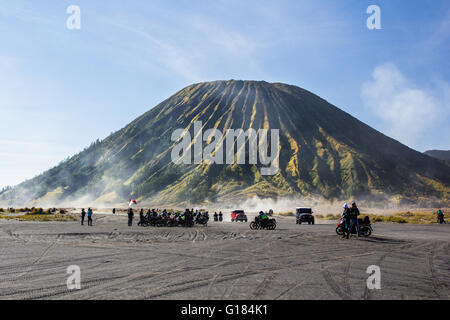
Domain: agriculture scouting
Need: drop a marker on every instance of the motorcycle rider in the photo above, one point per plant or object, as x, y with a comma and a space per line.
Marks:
346, 222
354, 213
264, 218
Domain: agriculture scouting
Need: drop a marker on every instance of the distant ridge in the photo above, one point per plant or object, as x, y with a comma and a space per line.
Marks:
439, 154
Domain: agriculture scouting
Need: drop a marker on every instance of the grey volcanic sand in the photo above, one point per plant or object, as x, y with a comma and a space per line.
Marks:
222, 261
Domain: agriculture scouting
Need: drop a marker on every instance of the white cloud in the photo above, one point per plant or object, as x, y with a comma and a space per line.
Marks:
406, 111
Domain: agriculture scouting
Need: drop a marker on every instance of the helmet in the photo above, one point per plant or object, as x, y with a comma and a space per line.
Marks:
345, 206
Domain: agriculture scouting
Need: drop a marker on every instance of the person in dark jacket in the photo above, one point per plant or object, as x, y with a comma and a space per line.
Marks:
346, 222
130, 217
141, 217
264, 218
220, 216
189, 218
89, 215
440, 215
354, 214
83, 215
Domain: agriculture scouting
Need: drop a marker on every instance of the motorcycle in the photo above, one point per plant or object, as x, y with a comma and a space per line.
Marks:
202, 220
365, 227
440, 219
259, 224
162, 222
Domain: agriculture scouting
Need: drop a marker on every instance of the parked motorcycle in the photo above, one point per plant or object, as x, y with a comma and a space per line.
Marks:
202, 220
365, 227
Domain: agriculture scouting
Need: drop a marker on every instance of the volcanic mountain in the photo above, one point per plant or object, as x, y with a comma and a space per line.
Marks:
323, 151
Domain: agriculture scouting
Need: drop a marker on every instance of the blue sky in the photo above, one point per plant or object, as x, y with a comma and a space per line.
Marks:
61, 89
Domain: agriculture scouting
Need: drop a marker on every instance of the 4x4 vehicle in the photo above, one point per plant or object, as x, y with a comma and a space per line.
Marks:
304, 215
238, 215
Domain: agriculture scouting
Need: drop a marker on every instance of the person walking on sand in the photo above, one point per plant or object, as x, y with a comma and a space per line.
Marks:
83, 215
89, 215
130, 217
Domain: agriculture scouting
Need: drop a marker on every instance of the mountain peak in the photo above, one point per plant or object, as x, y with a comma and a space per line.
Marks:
323, 151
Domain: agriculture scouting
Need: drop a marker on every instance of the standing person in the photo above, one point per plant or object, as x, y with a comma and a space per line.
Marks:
89, 214
440, 215
189, 218
354, 213
216, 217
346, 222
141, 217
83, 215
130, 217
220, 216
114, 211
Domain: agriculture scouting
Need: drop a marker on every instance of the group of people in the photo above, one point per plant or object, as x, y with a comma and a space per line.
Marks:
189, 216
89, 216
218, 217
350, 219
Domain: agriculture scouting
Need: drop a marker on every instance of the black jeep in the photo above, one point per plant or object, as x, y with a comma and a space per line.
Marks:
304, 215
